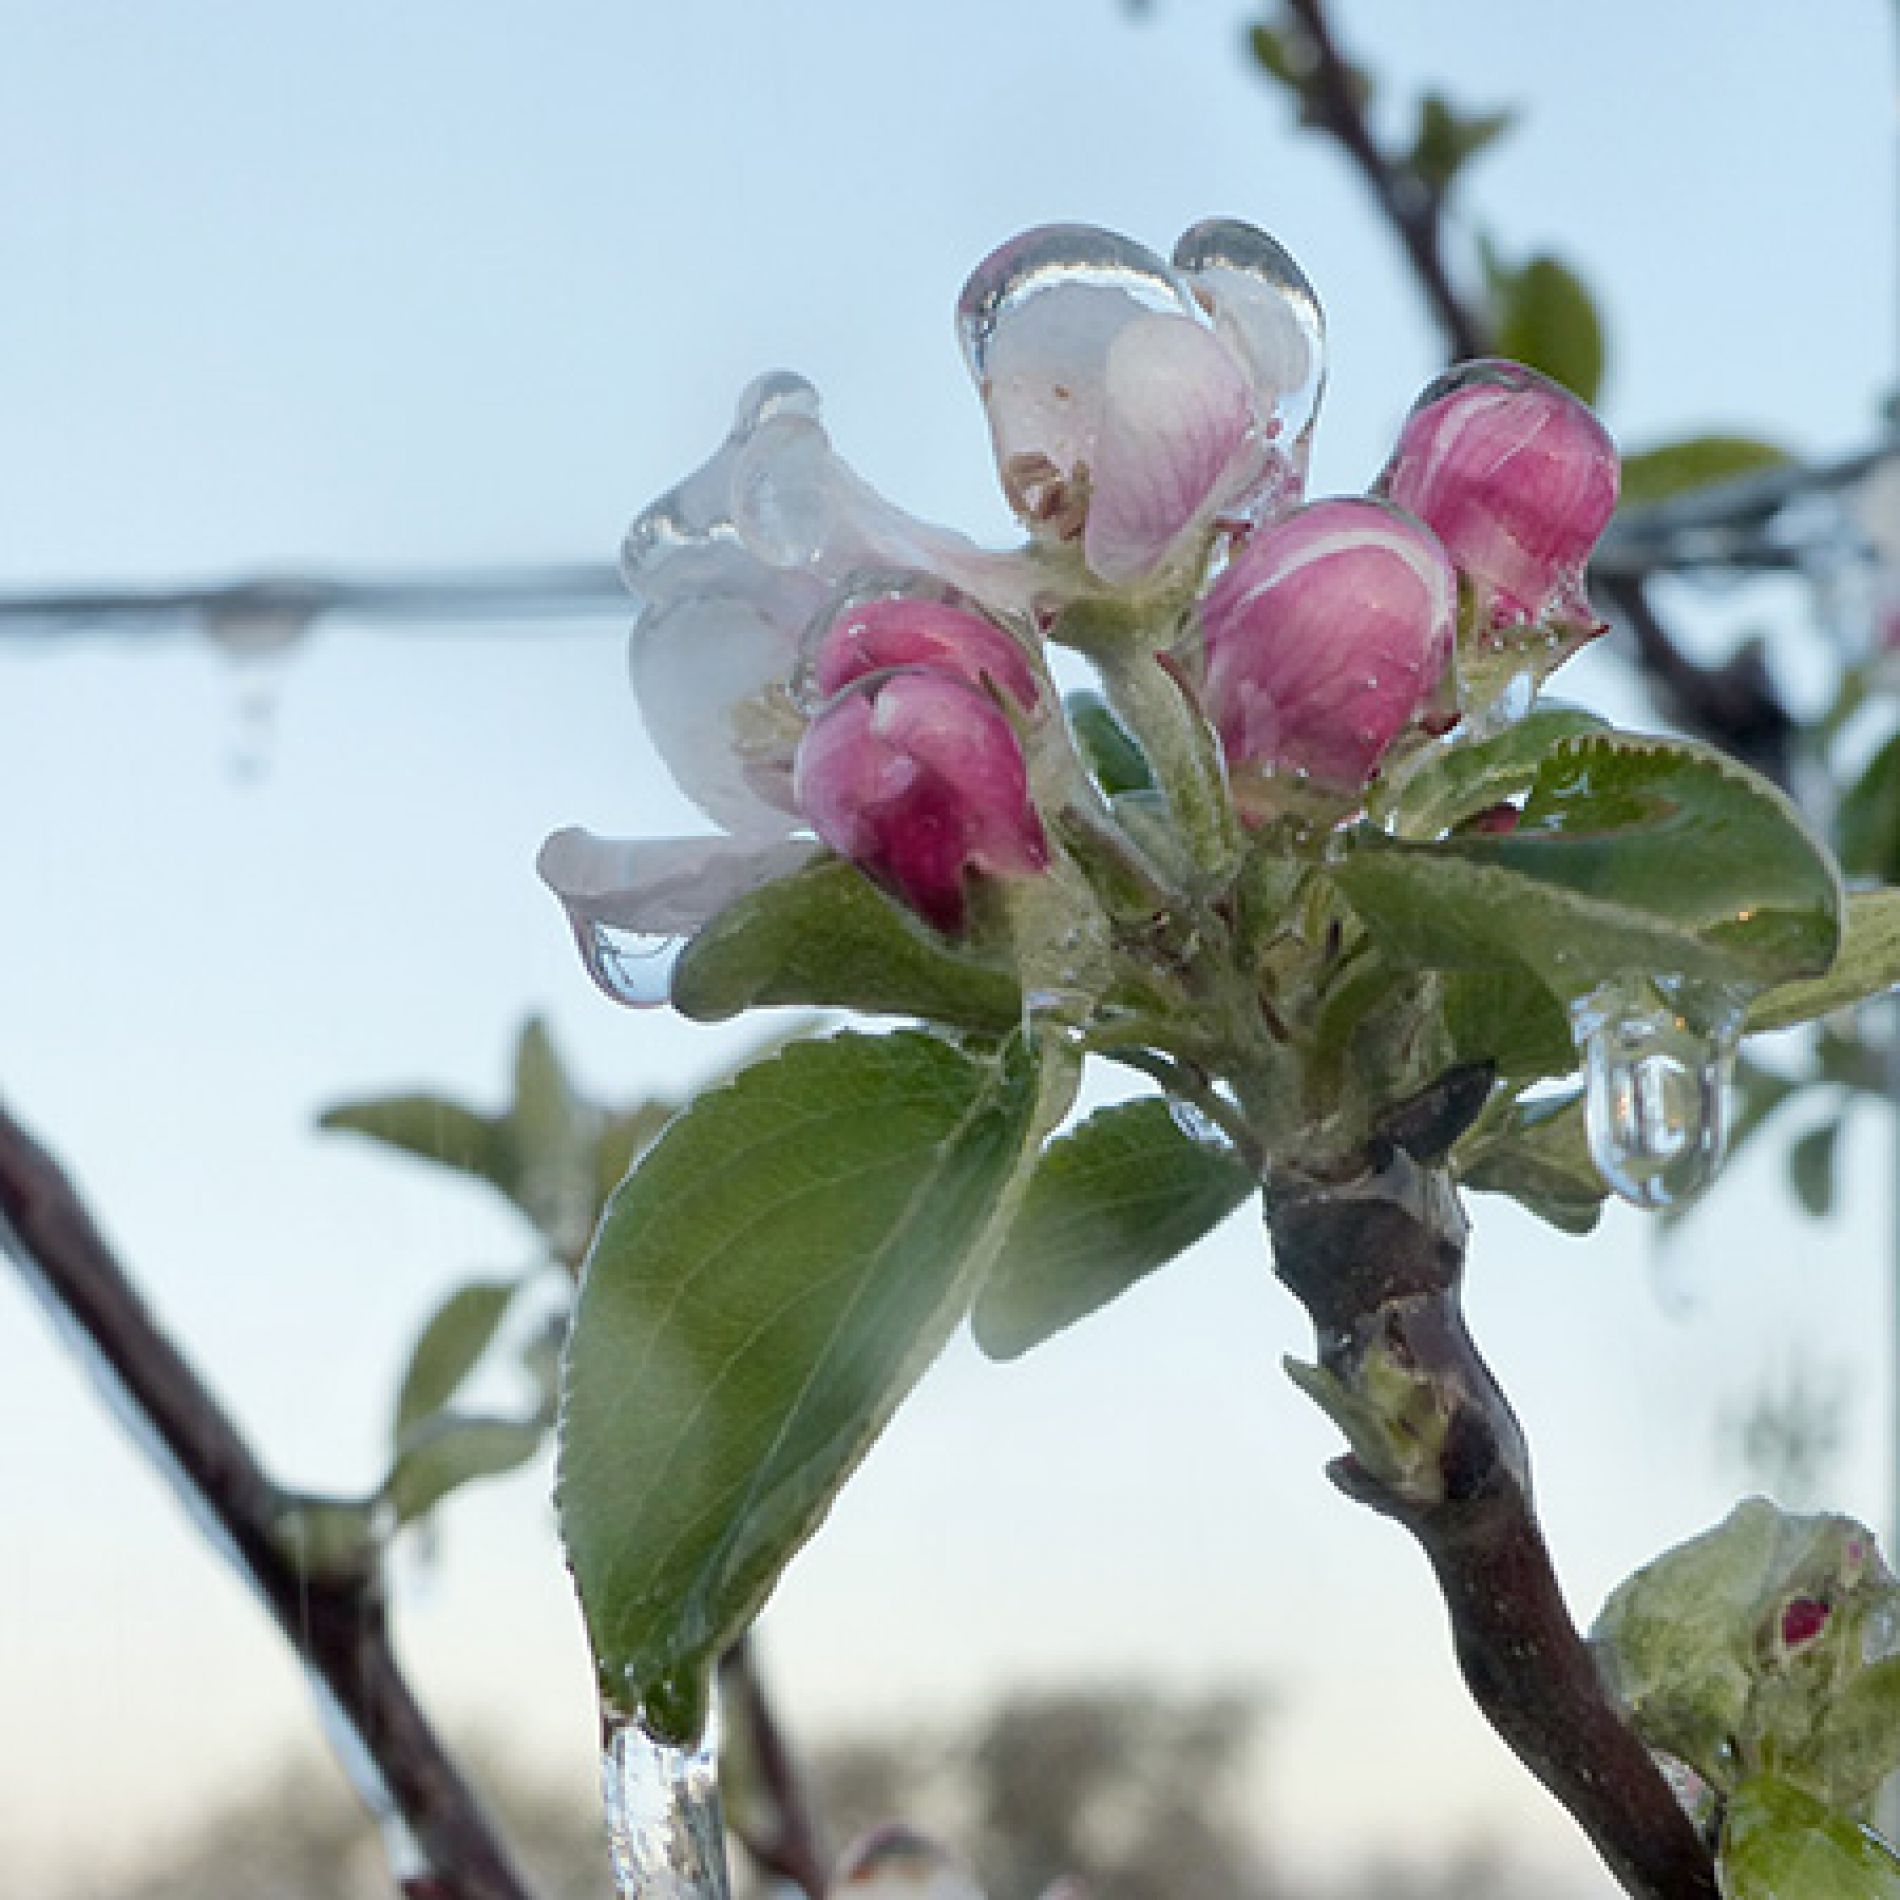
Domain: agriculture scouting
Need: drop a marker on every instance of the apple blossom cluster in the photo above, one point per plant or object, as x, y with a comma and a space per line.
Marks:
821, 671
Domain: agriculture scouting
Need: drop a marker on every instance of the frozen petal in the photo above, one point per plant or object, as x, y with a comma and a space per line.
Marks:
660, 887
1038, 319
700, 509
711, 671
1176, 419
1267, 312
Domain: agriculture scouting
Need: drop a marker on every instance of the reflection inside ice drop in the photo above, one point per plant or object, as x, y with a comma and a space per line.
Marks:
1657, 1057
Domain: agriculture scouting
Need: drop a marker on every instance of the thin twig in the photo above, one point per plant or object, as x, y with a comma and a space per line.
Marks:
1378, 1263
1735, 704
793, 1848
1415, 213
443, 1845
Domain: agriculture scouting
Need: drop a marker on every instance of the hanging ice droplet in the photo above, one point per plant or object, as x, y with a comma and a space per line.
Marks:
1657, 1056
665, 1830
1266, 310
632, 966
257, 630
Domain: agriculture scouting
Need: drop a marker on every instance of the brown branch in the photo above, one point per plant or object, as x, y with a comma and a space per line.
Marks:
792, 1850
1414, 211
1436, 1447
443, 1846
1735, 704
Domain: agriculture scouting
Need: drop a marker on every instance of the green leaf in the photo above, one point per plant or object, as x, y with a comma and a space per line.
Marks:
1780, 1843
1118, 1197
1544, 316
1279, 56
767, 1286
450, 1450
623, 1139
448, 1348
1538, 1154
1811, 1167
1118, 763
1507, 1017
827, 936
551, 1135
1447, 139
429, 1127
1867, 822
1858, 1746
1697, 461
1633, 855
1464, 780
1868, 963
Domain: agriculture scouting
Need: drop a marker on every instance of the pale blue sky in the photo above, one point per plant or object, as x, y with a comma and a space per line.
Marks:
350, 286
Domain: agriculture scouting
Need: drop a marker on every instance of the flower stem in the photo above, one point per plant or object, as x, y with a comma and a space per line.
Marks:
443, 1846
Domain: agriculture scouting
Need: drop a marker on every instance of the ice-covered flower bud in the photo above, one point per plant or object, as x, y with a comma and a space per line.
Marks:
1325, 637
875, 635
919, 779
1516, 477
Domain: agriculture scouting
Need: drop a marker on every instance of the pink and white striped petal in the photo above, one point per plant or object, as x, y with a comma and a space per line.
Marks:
1177, 421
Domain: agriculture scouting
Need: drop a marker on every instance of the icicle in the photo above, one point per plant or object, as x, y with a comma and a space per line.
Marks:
664, 1824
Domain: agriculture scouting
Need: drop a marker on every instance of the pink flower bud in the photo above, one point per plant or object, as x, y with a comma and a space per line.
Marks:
873, 636
1802, 1620
1325, 638
919, 780
1515, 476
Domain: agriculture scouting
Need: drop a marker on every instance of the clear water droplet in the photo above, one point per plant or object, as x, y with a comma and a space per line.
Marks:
633, 966
1265, 309
1052, 256
665, 1829
1657, 1056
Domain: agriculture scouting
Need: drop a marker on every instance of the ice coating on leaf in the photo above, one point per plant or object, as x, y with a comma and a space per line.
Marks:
631, 903
1266, 310
1176, 416
1324, 637
1658, 1054
919, 780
